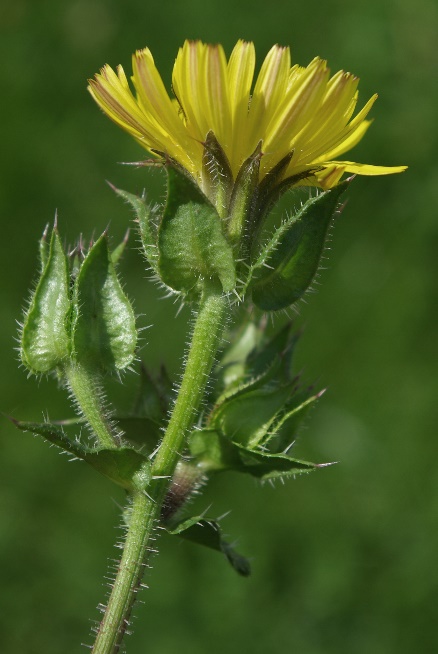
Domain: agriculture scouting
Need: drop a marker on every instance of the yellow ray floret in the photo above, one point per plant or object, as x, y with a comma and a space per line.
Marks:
289, 109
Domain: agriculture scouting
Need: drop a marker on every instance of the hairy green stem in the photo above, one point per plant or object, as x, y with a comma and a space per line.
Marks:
88, 396
142, 517
206, 339
146, 509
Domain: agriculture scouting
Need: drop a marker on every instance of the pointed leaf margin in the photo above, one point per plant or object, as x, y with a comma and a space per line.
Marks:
203, 531
125, 466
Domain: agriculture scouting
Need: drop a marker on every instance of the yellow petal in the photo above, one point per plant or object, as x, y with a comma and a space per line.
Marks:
332, 116
330, 176
299, 110
153, 95
367, 169
350, 141
319, 149
186, 86
118, 103
240, 75
156, 103
301, 103
268, 93
214, 89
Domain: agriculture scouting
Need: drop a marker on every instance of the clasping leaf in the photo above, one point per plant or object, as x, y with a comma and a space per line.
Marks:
288, 263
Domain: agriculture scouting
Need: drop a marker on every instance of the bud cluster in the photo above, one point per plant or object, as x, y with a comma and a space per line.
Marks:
78, 311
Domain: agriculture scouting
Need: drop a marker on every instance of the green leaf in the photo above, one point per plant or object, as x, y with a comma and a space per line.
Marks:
280, 346
246, 418
250, 355
192, 246
273, 186
124, 466
206, 532
266, 405
54, 434
213, 452
45, 341
288, 263
250, 383
181, 188
233, 364
148, 218
104, 333
270, 466
288, 423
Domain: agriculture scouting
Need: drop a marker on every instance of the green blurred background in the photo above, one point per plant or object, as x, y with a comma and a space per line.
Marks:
345, 560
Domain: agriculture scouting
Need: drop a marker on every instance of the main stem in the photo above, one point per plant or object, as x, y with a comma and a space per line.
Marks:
146, 509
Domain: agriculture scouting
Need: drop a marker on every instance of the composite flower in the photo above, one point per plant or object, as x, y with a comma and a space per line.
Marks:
303, 114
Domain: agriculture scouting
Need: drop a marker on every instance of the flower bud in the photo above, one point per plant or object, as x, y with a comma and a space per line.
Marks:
103, 327
45, 340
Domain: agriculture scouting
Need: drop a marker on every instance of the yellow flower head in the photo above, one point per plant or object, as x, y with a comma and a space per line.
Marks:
299, 113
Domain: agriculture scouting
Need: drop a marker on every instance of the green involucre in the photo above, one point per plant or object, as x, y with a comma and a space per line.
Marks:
192, 246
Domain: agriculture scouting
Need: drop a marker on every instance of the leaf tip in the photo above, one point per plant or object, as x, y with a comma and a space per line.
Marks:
14, 421
112, 186
46, 229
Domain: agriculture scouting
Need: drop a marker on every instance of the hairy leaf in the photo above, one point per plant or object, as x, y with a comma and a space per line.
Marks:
124, 466
288, 263
213, 452
206, 532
